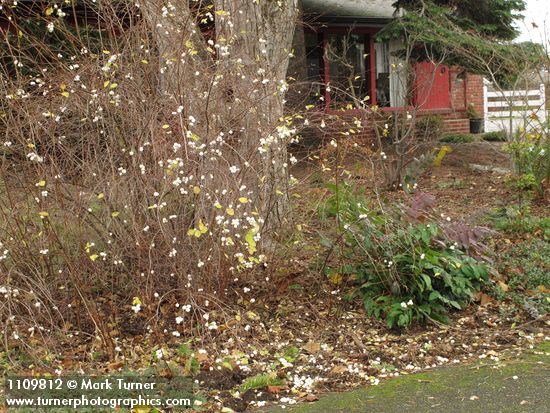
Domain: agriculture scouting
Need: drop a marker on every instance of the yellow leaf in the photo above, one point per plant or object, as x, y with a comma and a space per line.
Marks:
43, 214
101, 195
106, 83
41, 184
243, 200
49, 11
196, 190
202, 228
145, 61
230, 211
115, 214
217, 205
136, 301
312, 347
249, 238
142, 409
252, 315
335, 278
442, 152
113, 85
65, 94
165, 126
192, 232
503, 286
94, 257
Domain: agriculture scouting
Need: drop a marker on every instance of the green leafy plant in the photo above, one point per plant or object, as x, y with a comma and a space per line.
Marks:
405, 270
530, 152
498, 136
515, 220
260, 381
527, 265
458, 138
472, 113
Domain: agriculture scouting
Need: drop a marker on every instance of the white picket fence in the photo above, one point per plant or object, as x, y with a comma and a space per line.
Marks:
505, 110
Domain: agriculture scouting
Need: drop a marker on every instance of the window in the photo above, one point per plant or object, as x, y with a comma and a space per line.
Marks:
314, 62
347, 59
344, 66
391, 76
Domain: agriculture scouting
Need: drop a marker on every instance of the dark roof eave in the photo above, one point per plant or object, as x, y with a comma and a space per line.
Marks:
348, 20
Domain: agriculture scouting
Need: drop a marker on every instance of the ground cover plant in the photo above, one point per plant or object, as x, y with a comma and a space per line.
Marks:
530, 152
527, 265
407, 266
458, 138
500, 136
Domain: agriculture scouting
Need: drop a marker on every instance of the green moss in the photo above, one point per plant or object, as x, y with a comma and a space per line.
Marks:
511, 385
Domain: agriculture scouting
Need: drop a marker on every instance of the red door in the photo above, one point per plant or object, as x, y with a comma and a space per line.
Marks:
432, 86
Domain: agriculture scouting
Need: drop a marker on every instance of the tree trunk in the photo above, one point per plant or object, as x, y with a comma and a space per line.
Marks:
234, 89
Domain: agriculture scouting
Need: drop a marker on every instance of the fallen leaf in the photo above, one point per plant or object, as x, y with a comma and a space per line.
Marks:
485, 299
116, 365
275, 389
338, 370
503, 286
166, 373
201, 356
312, 347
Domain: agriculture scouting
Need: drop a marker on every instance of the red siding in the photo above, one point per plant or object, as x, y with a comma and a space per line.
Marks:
432, 86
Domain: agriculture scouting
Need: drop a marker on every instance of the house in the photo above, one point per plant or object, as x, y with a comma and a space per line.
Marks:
339, 61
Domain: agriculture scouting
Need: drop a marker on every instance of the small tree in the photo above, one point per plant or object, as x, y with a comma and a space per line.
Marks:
144, 160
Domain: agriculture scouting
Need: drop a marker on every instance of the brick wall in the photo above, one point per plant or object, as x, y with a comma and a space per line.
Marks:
335, 123
474, 92
465, 88
458, 91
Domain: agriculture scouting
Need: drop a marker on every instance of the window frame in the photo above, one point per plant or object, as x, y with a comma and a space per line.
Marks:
370, 62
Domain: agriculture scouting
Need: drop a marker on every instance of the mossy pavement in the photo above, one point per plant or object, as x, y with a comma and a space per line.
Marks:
511, 385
